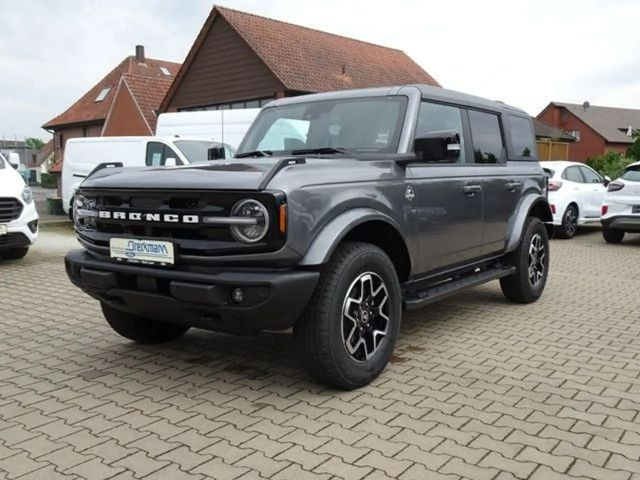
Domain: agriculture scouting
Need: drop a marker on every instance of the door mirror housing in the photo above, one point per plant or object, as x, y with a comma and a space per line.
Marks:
441, 146
607, 180
170, 162
216, 153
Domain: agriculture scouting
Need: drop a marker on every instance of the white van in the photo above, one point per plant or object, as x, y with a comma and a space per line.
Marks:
226, 126
83, 155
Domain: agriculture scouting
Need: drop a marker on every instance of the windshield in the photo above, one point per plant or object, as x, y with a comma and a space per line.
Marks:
632, 174
197, 151
358, 125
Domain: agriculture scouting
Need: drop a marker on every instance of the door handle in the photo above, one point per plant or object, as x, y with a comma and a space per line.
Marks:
471, 190
513, 186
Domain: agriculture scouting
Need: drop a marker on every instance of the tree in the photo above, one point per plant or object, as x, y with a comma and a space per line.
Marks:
634, 150
33, 142
611, 164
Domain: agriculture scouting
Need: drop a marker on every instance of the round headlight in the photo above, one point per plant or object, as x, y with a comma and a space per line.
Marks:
27, 196
256, 225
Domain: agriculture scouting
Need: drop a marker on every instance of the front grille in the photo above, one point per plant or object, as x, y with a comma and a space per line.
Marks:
10, 209
190, 239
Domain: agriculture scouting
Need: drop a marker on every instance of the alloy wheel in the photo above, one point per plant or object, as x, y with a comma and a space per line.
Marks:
537, 257
365, 316
571, 221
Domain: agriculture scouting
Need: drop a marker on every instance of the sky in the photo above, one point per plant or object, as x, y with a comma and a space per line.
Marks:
525, 53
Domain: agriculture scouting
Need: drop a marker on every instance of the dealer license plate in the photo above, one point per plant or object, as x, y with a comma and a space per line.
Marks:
635, 209
3, 230
148, 252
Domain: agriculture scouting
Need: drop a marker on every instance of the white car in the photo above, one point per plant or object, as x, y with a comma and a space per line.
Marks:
576, 193
621, 206
18, 216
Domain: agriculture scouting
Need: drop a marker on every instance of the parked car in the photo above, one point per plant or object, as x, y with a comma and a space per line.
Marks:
576, 192
82, 155
394, 198
228, 126
621, 207
18, 216
12, 158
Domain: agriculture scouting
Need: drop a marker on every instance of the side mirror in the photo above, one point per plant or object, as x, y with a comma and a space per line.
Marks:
170, 162
438, 146
216, 153
607, 180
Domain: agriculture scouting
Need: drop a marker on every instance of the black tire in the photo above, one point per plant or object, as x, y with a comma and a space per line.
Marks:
321, 330
141, 330
612, 235
14, 253
569, 224
519, 287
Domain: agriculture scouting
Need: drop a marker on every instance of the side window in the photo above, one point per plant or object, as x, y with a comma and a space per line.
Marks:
157, 154
573, 175
590, 176
434, 117
486, 136
521, 136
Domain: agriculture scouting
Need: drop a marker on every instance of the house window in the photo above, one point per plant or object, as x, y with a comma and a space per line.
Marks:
103, 94
85, 131
575, 134
165, 71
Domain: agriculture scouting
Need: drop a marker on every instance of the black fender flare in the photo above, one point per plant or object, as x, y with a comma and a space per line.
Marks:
532, 203
323, 245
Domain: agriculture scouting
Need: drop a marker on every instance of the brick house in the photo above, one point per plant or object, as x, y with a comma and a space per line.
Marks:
241, 60
596, 129
124, 102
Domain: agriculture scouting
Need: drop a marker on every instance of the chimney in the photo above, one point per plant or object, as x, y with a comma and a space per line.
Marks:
140, 53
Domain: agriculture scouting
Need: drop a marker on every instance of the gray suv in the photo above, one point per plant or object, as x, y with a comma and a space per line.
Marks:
338, 212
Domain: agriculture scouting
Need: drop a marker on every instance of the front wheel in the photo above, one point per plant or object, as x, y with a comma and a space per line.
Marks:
14, 253
531, 260
612, 235
139, 329
349, 329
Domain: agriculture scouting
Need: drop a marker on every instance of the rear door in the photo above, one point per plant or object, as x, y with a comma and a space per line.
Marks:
578, 190
594, 192
445, 203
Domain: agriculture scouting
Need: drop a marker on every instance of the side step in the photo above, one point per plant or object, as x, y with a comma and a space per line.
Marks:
442, 290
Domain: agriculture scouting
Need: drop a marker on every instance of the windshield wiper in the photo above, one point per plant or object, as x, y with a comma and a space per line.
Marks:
319, 150
256, 153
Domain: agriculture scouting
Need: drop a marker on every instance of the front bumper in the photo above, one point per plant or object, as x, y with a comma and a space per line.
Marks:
272, 299
628, 223
23, 231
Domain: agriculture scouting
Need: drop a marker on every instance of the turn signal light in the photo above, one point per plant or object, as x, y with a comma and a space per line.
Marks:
605, 209
554, 185
282, 219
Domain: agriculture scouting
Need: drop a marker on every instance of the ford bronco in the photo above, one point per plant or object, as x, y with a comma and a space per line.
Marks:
339, 211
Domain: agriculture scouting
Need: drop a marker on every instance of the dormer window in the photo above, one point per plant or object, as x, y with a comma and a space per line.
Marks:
103, 94
165, 71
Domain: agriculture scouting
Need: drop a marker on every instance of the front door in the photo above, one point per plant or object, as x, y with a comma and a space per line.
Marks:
446, 197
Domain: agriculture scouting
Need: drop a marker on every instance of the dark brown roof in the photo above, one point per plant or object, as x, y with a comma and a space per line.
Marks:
87, 110
148, 93
308, 60
544, 130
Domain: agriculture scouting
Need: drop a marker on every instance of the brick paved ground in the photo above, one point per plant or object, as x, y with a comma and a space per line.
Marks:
478, 388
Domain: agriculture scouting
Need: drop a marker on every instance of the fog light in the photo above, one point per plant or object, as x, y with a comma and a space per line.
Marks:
237, 295
33, 226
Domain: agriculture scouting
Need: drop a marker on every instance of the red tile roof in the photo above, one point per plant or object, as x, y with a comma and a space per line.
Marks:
148, 93
309, 60
87, 110
314, 61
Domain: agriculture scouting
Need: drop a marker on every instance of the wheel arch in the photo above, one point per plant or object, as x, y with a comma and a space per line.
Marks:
533, 205
364, 225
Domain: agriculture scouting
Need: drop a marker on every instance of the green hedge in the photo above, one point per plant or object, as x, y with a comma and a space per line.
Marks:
49, 180
611, 164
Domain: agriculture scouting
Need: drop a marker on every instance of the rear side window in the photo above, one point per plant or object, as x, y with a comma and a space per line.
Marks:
632, 174
434, 117
521, 136
157, 154
573, 175
487, 138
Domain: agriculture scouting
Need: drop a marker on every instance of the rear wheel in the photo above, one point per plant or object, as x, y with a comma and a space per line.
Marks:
569, 224
349, 329
141, 330
531, 260
612, 235
14, 253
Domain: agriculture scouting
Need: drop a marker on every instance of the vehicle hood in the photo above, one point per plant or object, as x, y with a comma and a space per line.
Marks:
11, 182
283, 173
